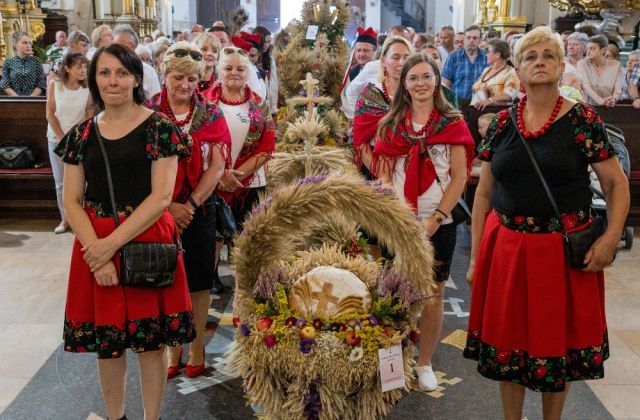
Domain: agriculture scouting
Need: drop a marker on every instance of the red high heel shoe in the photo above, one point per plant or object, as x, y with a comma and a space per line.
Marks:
197, 370
173, 371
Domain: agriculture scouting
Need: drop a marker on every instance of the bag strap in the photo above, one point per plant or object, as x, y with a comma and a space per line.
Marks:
108, 168
535, 165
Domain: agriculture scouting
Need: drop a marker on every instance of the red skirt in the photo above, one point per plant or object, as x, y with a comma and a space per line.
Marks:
533, 320
108, 320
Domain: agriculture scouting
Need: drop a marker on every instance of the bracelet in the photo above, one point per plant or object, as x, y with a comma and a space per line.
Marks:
442, 213
193, 202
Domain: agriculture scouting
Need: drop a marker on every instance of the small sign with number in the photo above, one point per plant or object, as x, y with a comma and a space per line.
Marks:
391, 368
312, 32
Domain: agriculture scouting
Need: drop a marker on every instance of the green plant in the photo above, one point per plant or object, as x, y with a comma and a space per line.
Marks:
51, 57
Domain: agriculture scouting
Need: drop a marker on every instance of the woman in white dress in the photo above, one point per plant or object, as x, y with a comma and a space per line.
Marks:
68, 103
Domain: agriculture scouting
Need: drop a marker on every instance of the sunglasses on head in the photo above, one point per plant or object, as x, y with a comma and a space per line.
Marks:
183, 52
232, 50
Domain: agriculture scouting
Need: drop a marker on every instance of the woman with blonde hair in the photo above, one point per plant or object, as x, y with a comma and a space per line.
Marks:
375, 100
210, 46
101, 36
22, 74
535, 322
424, 149
193, 204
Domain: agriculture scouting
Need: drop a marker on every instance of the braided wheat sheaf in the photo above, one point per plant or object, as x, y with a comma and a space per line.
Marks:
278, 381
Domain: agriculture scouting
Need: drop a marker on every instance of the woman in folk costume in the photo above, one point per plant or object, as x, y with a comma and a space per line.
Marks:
535, 322
425, 150
193, 204
375, 100
101, 314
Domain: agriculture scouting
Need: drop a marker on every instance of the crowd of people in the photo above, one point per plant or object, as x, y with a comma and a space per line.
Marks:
191, 120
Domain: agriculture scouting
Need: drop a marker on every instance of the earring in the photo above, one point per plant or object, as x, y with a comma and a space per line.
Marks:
384, 72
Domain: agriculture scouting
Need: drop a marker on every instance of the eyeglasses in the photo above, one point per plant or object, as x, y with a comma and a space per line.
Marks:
183, 52
413, 79
232, 50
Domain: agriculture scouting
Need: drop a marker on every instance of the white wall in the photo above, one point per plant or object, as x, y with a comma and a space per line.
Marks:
443, 14
252, 10
373, 16
463, 14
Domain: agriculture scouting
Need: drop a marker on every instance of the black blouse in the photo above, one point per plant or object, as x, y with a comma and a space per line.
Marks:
572, 142
23, 75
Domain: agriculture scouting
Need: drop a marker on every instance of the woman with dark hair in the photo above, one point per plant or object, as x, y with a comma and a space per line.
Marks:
102, 315
499, 81
193, 204
601, 78
424, 149
68, 103
22, 74
535, 322
268, 64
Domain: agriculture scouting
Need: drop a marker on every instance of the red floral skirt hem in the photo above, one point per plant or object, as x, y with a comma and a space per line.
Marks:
527, 302
541, 374
108, 320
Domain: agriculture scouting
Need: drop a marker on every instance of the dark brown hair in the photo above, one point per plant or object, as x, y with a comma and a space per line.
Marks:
129, 60
70, 60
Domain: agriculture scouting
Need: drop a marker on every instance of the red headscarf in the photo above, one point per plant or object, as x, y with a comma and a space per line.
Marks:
420, 172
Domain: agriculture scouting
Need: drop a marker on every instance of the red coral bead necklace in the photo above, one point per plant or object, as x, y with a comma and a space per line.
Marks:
385, 93
545, 127
166, 109
425, 127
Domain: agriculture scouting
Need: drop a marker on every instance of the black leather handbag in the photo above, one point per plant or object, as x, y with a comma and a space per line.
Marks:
460, 213
225, 222
16, 155
142, 264
578, 243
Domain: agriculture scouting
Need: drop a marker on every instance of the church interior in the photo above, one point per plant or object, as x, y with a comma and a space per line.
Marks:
314, 145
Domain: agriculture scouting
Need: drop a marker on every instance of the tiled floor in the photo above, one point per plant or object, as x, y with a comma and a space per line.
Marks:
33, 276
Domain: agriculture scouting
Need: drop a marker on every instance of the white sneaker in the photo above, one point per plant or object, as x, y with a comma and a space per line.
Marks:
61, 228
426, 378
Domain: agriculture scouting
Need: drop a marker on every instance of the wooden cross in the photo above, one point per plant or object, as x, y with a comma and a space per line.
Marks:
310, 84
324, 297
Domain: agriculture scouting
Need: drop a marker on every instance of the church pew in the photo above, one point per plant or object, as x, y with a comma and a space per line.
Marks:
26, 193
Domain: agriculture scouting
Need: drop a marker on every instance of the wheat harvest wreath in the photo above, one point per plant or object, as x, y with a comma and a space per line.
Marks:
310, 323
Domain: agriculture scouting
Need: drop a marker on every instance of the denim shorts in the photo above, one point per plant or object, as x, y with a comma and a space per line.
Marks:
444, 244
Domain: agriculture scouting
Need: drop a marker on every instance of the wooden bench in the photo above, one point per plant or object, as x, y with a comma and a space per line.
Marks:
26, 193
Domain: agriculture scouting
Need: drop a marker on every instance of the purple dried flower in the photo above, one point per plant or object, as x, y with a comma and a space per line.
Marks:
261, 207
353, 323
312, 402
391, 285
306, 344
380, 187
245, 330
313, 179
267, 282
301, 323
373, 321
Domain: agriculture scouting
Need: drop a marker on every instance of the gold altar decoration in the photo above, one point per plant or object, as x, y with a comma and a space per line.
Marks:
595, 6
19, 16
497, 14
142, 15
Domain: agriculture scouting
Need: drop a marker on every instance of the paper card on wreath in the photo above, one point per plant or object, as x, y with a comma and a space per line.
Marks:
312, 32
391, 368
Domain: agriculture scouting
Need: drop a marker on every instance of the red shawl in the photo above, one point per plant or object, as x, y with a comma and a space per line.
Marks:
404, 141
207, 126
371, 107
261, 138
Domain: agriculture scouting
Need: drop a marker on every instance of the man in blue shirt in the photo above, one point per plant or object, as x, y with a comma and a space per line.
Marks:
464, 66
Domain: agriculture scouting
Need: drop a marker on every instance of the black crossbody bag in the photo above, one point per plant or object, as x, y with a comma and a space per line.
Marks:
578, 243
142, 264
